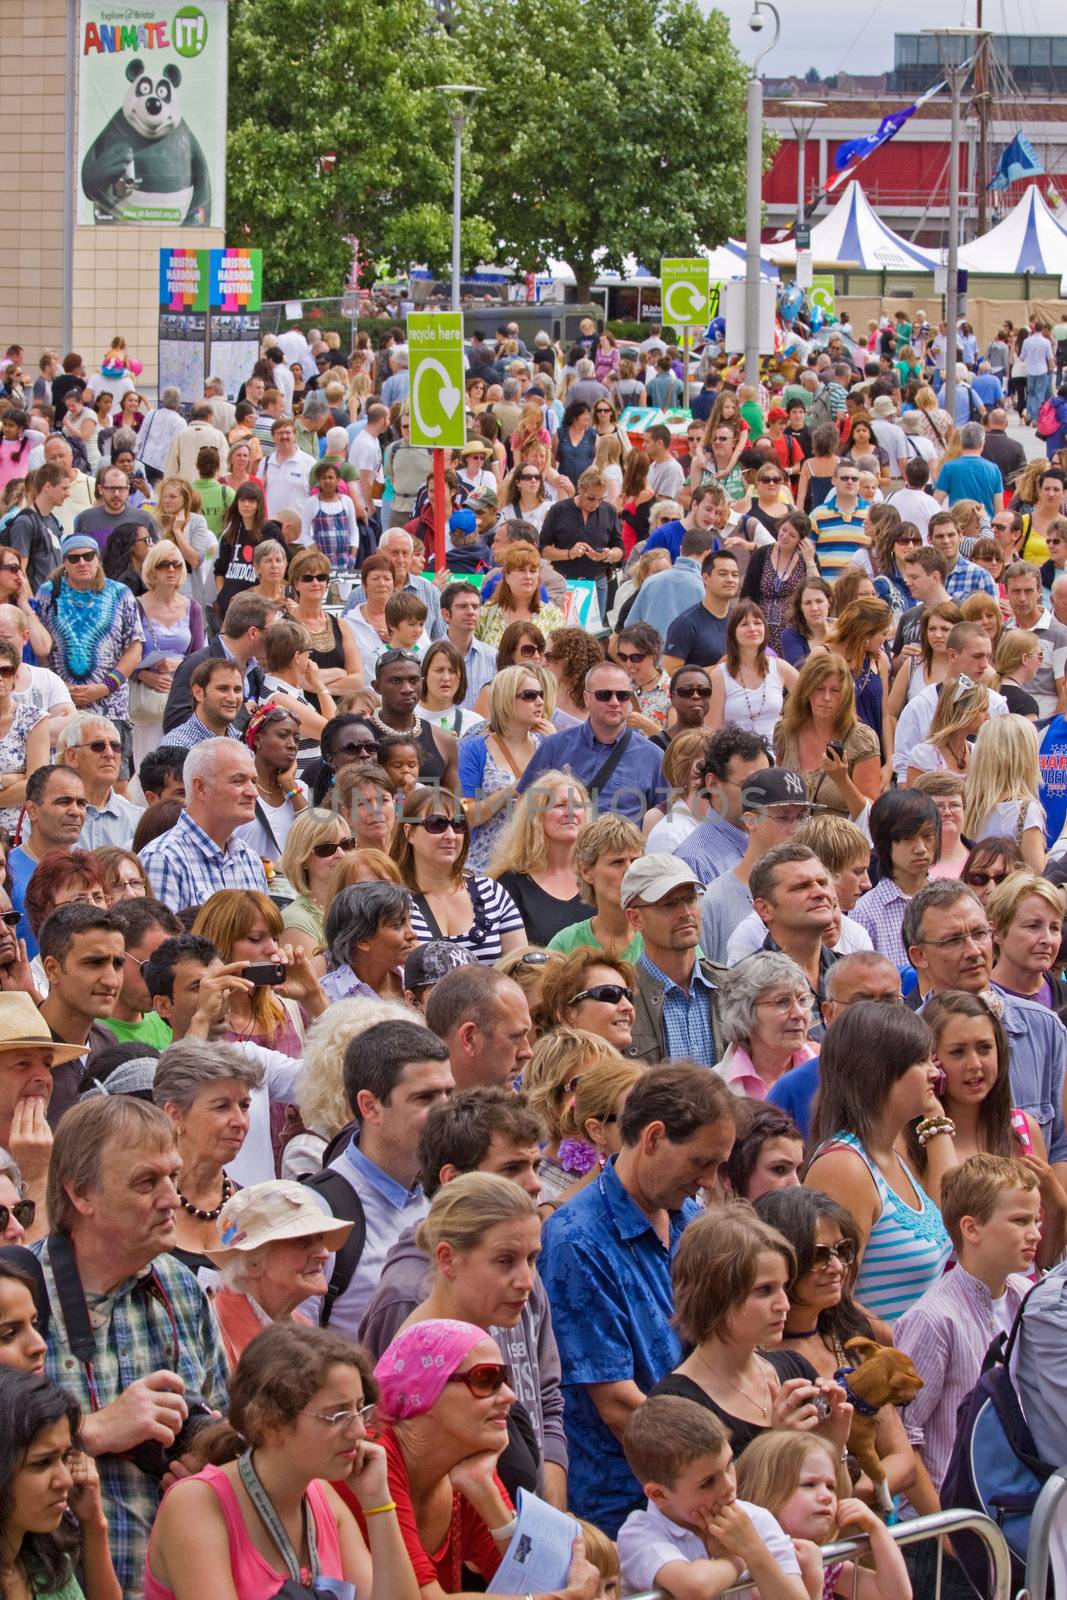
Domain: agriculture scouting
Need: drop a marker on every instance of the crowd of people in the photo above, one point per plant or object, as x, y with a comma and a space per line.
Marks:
447, 1050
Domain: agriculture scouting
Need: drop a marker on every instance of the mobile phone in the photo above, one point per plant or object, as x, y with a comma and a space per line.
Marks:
265, 974
838, 748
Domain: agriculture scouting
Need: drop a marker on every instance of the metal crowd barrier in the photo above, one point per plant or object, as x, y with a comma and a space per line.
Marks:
1038, 1555
944, 1523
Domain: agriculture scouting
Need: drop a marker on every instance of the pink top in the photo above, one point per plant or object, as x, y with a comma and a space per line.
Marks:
253, 1577
741, 1076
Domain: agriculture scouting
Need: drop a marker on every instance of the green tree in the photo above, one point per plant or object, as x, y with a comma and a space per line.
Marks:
607, 128
352, 80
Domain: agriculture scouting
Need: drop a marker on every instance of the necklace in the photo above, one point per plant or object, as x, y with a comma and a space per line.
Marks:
384, 727
321, 634
228, 1188
764, 1410
758, 712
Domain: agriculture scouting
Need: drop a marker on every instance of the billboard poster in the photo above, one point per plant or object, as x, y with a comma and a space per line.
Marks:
183, 313
152, 113
235, 298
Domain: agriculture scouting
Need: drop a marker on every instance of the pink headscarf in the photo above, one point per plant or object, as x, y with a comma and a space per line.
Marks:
413, 1371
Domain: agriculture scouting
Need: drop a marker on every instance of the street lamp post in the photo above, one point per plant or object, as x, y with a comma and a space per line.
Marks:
754, 190
460, 98
802, 115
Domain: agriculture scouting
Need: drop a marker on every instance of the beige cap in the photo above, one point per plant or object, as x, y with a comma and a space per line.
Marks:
265, 1213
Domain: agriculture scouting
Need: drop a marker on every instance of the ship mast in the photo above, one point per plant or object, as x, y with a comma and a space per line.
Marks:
981, 101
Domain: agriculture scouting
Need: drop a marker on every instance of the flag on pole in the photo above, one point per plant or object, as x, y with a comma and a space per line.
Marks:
858, 149
1018, 160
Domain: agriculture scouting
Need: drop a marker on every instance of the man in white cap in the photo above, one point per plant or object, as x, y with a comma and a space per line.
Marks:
889, 434
28, 1055
676, 998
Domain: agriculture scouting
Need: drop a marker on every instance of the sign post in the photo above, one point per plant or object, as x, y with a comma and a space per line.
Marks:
684, 301
438, 415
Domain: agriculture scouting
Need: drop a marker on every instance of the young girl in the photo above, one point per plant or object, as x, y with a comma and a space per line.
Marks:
798, 1478
400, 758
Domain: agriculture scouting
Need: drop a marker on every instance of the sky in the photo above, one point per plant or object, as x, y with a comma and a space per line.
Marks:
836, 34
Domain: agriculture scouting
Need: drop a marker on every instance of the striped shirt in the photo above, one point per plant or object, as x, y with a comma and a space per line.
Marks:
840, 540
495, 913
907, 1248
881, 912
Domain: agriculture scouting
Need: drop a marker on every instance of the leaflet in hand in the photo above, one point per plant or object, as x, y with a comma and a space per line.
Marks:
539, 1554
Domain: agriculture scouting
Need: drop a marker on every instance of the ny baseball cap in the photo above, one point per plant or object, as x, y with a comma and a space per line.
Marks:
429, 962
775, 786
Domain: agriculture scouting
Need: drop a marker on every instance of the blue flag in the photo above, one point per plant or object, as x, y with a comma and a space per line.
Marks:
857, 149
1019, 160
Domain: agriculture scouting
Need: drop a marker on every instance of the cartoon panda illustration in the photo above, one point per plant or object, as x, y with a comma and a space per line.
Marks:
147, 157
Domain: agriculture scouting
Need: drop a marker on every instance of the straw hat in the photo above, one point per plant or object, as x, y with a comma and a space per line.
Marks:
268, 1212
22, 1027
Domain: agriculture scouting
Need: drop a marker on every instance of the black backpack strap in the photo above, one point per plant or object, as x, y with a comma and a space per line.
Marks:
72, 1307
342, 1201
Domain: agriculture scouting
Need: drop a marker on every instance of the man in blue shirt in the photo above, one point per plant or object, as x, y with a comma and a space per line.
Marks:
606, 1264
635, 784
669, 535
56, 811
718, 844
665, 595
987, 386
697, 636
970, 476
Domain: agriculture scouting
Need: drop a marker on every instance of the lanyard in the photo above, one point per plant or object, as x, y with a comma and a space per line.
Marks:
273, 1523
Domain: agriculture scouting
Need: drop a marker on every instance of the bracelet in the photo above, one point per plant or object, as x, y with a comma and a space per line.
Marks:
931, 1127
505, 1530
291, 794
378, 1511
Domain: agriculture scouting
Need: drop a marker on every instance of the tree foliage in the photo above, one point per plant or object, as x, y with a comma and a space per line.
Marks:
351, 79
608, 128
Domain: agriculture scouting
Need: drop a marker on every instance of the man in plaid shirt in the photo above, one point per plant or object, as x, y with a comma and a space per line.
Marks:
203, 852
151, 1343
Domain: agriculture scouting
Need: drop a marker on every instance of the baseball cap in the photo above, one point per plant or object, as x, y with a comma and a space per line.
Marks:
429, 962
484, 500
462, 521
655, 875
775, 786
777, 414
278, 1209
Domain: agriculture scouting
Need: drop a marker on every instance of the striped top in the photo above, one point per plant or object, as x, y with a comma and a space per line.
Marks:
840, 540
907, 1249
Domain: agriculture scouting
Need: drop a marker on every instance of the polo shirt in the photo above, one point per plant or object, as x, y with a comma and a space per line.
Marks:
101, 524
285, 483
662, 596
608, 1278
635, 786
114, 823
970, 478
565, 526
697, 637
794, 1092
839, 540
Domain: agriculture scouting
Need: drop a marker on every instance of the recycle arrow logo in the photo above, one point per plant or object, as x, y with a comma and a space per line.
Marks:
696, 303
448, 396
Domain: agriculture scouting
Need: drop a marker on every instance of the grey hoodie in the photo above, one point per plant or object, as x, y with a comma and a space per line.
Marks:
529, 1348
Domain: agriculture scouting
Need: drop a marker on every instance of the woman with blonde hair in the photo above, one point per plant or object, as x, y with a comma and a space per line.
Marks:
492, 764
820, 736
1003, 783
178, 517
245, 925
962, 708
984, 609
589, 1120
517, 597
363, 865
603, 851
314, 845
533, 857
608, 458
173, 629
527, 965
858, 636
934, 422
687, 802
967, 515
562, 1057
1017, 659
1026, 915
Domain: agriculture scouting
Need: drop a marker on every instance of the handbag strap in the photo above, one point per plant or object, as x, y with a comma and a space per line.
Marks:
273, 1523
604, 772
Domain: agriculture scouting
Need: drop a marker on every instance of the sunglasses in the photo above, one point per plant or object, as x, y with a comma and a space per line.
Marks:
388, 657
76, 557
168, 566
532, 958
325, 850
314, 577
630, 658
524, 477
98, 746
437, 824
770, 480
7, 673
529, 652
528, 696
848, 477
367, 749
23, 1212
486, 1379
606, 696
982, 880
10, 919
908, 538
11, 569
607, 994
844, 1251
690, 692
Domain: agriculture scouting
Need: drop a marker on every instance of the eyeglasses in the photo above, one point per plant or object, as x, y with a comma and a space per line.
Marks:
15, 568
528, 696
98, 746
327, 849
168, 566
437, 824
605, 696
908, 538
690, 691
982, 880
786, 1004
606, 994
10, 919
822, 1255
369, 748
314, 577
23, 1212
76, 557
344, 1419
957, 941
630, 658
487, 1378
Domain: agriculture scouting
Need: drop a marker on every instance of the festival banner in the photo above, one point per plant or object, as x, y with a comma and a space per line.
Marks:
1053, 763
183, 306
236, 296
152, 113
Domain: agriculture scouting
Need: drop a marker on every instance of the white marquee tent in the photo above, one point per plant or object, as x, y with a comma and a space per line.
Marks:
854, 232
1028, 239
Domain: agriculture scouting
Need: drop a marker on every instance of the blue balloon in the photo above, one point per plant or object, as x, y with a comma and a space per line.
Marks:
1053, 760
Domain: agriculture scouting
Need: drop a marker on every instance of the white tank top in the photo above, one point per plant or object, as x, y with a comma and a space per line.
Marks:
755, 709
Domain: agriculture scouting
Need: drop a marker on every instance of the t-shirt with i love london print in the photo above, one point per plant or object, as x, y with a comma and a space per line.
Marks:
233, 563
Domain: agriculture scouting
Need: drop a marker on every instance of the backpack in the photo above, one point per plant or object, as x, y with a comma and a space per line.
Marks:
994, 1466
1048, 420
820, 412
341, 1201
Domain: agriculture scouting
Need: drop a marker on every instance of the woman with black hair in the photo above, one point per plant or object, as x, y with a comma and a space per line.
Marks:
905, 828
43, 1477
823, 1316
124, 555
574, 444
344, 739
244, 527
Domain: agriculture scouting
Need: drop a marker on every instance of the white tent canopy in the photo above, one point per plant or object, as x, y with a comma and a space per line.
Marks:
854, 232
725, 262
1028, 239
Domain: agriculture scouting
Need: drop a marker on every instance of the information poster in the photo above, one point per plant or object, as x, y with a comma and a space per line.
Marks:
183, 308
152, 113
236, 296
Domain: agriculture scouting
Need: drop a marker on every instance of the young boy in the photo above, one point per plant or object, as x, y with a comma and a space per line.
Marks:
405, 617
905, 829
695, 1538
991, 1208
215, 497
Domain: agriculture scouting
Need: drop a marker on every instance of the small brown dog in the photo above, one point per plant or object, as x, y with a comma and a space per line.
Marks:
882, 1376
